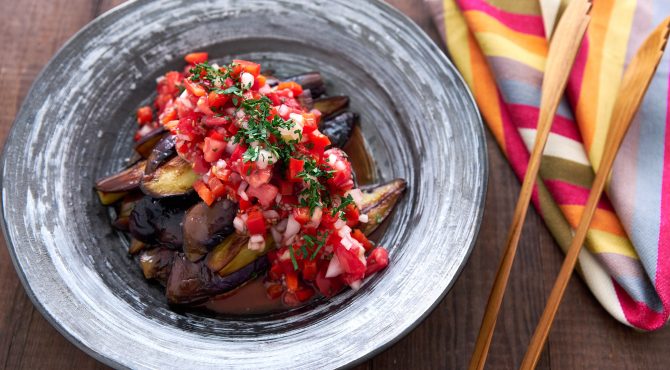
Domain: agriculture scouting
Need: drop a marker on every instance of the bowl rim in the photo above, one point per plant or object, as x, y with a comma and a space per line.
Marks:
414, 27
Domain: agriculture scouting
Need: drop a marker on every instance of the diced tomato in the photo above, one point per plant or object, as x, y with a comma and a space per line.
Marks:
245, 204
361, 238
247, 66
276, 271
301, 214
237, 153
285, 187
196, 58
274, 98
204, 192
289, 199
216, 135
200, 166
213, 149
169, 84
144, 115
291, 281
194, 88
310, 123
304, 294
256, 223
327, 219
342, 175
216, 187
217, 100
215, 121
169, 114
290, 85
266, 194
258, 82
203, 106
318, 143
275, 291
290, 299
350, 261
327, 286
377, 260
351, 213
295, 166
309, 270
257, 177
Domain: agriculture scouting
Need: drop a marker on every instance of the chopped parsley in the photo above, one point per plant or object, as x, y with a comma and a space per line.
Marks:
344, 202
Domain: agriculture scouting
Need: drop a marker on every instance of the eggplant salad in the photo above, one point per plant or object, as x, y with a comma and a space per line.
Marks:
250, 193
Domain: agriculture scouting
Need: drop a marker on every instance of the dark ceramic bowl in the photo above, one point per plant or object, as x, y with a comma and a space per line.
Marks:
75, 125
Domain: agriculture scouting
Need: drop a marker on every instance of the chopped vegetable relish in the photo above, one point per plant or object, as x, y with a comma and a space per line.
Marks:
258, 145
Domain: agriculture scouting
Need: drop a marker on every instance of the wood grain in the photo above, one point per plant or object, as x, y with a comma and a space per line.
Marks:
584, 335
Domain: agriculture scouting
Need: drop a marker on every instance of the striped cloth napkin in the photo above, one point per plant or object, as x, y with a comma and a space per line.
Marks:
500, 47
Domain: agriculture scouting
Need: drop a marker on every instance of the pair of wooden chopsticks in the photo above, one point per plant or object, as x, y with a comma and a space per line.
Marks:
561, 55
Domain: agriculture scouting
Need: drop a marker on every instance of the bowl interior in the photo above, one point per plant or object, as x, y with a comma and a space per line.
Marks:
77, 123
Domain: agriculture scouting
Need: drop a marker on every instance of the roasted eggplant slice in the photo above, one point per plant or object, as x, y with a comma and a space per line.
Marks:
162, 151
136, 246
205, 227
176, 177
378, 201
305, 99
193, 282
226, 251
331, 105
339, 128
312, 81
110, 198
123, 181
124, 210
157, 263
147, 143
245, 257
159, 221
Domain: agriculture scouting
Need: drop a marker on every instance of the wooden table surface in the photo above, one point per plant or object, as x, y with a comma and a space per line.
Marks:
584, 335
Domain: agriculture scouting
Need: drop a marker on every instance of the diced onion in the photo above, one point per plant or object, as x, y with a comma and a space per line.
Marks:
283, 110
363, 218
334, 268
276, 234
339, 224
292, 228
256, 243
241, 191
247, 80
355, 285
271, 214
239, 224
357, 196
316, 218
281, 226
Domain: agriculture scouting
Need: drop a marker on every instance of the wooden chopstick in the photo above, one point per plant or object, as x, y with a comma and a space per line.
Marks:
561, 56
635, 82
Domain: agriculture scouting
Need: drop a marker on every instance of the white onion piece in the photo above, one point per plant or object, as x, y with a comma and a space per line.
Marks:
339, 224
357, 196
247, 80
346, 243
230, 147
239, 224
283, 110
292, 228
334, 268
241, 190
256, 243
363, 218
355, 285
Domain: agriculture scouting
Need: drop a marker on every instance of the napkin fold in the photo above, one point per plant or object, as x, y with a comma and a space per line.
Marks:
500, 47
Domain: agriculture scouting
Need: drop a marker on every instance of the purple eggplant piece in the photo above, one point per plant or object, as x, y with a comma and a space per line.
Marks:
157, 263
331, 105
193, 282
159, 221
161, 153
147, 143
339, 128
123, 181
205, 227
305, 99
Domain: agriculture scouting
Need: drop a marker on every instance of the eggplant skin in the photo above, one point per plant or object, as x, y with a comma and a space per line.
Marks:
205, 227
162, 151
159, 221
157, 263
123, 181
378, 202
193, 282
339, 128
147, 143
331, 105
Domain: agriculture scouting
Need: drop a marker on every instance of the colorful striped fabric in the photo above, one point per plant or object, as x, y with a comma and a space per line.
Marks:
500, 48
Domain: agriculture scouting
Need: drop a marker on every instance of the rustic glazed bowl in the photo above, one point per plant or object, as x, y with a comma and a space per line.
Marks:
75, 125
